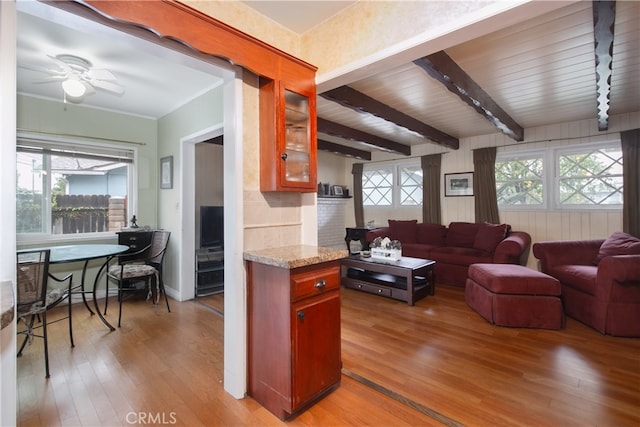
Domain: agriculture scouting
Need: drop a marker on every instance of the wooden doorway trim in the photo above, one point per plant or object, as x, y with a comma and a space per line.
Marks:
180, 27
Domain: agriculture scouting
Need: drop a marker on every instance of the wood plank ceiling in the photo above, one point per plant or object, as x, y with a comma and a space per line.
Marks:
537, 73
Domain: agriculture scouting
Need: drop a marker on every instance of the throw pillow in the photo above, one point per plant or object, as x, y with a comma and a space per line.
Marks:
432, 234
462, 234
489, 236
404, 231
619, 243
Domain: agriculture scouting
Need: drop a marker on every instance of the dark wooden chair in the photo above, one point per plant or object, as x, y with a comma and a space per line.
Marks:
34, 299
144, 265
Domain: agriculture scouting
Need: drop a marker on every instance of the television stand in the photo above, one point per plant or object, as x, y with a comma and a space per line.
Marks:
209, 278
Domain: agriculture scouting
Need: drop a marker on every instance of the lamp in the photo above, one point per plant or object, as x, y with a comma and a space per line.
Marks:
74, 88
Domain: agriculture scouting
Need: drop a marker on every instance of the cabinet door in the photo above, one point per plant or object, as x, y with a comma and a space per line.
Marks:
297, 139
316, 346
288, 146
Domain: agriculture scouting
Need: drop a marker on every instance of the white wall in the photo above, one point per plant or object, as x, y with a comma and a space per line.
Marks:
541, 225
201, 113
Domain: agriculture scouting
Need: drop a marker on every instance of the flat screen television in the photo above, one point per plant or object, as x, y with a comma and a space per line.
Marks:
211, 226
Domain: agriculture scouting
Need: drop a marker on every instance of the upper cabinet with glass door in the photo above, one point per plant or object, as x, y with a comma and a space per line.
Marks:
287, 137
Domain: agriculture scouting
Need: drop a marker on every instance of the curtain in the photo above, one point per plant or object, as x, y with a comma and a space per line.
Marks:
630, 141
484, 185
431, 188
358, 208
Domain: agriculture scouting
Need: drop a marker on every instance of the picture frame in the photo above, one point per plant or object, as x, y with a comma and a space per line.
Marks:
166, 172
337, 190
458, 184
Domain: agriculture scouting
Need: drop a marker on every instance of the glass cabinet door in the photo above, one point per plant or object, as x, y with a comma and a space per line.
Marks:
297, 137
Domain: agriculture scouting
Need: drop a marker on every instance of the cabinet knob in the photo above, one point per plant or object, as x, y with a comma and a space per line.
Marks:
321, 284
301, 315
283, 156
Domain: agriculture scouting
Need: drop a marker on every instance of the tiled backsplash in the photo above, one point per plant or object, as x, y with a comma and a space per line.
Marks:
331, 223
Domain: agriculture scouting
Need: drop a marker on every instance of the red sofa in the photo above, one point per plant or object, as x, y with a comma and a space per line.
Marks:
600, 280
457, 247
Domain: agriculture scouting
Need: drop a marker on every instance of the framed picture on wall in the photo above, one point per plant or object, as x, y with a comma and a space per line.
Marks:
166, 172
458, 184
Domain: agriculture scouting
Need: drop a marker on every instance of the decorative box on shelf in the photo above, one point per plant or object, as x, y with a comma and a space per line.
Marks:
385, 249
386, 254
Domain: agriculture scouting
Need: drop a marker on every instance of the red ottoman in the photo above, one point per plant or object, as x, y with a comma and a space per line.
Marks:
515, 296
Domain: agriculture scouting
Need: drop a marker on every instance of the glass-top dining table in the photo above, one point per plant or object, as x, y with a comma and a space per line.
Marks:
85, 253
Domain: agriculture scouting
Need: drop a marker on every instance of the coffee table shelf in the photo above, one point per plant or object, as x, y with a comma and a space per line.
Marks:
408, 279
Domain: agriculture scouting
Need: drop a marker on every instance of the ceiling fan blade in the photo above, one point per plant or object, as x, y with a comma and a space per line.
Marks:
43, 70
101, 74
108, 86
51, 79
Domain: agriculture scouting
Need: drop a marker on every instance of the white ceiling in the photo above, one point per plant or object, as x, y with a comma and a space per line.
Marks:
299, 16
156, 80
541, 71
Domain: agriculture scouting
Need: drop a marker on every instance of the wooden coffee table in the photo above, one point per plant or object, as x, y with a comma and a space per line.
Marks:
407, 279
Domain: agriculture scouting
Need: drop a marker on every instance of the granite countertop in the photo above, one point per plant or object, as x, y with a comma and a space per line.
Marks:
294, 256
7, 302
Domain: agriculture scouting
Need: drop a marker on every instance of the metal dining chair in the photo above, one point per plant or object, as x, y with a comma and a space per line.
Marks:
34, 298
131, 269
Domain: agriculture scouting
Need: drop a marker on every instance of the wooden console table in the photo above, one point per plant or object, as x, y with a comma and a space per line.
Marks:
408, 279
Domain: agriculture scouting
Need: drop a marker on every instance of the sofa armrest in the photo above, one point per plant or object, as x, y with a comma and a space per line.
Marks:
514, 249
566, 252
621, 268
377, 232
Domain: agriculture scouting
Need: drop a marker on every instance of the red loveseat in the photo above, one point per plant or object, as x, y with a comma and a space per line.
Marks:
457, 247
600, 280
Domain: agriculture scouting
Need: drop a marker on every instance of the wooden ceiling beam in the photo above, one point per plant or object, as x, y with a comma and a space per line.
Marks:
358, 101
442, 68
604, 16
343, 150
345, 132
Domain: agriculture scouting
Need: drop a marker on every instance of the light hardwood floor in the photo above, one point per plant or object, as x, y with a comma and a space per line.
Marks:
437, 363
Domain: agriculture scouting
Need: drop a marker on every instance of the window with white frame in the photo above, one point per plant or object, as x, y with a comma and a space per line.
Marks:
520, 180
377, 186
583, 176
392, 185
69, 187
589, 177
410, 185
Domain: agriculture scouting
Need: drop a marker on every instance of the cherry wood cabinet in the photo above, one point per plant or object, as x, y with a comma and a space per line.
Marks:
294, 335
288, 135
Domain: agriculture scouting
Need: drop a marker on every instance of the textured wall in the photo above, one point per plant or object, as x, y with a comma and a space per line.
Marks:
331, 223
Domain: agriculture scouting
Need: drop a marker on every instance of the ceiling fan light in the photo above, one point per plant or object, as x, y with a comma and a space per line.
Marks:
74, 88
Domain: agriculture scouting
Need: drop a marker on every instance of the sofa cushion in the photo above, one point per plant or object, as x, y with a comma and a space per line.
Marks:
459, 256
489, 236
618, 243
404, 231
417, 250
462, 234
582, 277
432, 234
